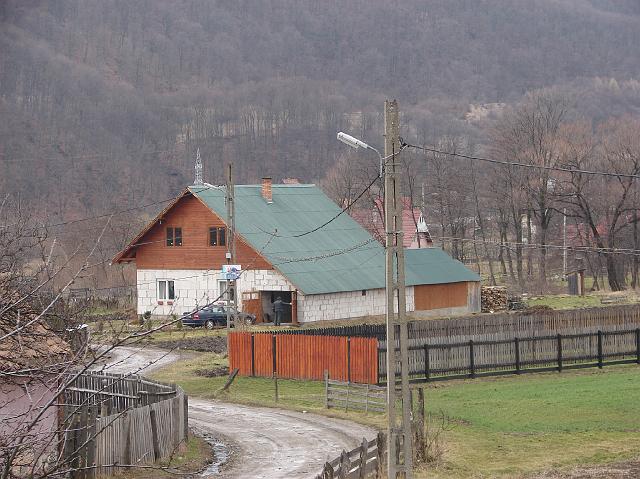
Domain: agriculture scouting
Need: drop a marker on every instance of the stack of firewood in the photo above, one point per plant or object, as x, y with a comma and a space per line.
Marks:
493, 298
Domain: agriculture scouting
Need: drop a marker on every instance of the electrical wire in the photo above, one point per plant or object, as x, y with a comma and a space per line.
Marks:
523, 165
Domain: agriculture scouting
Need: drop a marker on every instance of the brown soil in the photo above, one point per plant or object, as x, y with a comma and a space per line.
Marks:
620, 470
207, 344
215, 372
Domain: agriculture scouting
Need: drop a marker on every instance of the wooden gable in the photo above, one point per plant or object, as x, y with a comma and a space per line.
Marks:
149, 249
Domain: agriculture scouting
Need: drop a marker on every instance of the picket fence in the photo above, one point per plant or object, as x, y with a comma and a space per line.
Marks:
112, 422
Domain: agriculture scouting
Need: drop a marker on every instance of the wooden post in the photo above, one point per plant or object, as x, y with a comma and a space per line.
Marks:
176, 428
127, 438
559, 352
327, 471
154, 434
517, 349
472, 366
364, 449
91, 445
419, 446
600, 358
345, 465
185, 424
427, 373
380, 453
326, 389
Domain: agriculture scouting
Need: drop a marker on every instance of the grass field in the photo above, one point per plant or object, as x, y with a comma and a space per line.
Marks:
503, 427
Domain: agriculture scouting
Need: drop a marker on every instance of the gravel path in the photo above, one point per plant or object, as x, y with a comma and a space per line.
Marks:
266, 442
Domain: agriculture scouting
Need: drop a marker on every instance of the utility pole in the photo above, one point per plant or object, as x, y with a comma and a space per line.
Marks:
231, 253
399, 450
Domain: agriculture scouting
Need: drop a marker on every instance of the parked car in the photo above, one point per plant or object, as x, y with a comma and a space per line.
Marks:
213, 316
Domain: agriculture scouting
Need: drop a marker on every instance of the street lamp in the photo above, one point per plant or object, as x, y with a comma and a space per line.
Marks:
355, 143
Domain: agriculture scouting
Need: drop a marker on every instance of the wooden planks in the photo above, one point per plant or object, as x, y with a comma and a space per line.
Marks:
121, 420
304, 357
438, 296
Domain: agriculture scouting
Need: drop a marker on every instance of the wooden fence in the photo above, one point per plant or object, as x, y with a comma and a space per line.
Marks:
304, 357
437, 360
361, 397
364, 461
111, 421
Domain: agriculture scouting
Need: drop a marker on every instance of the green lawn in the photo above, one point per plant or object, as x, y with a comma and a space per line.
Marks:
502, 427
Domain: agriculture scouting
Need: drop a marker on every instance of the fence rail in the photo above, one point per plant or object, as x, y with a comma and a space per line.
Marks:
113, 420
433, 361
361, 397
363, 461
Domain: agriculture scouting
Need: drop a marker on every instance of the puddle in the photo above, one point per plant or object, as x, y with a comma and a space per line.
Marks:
220, 455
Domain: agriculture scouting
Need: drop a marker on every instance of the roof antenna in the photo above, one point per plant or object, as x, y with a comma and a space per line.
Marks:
198, 168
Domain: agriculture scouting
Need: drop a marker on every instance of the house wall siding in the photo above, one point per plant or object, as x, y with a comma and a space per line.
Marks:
195, 219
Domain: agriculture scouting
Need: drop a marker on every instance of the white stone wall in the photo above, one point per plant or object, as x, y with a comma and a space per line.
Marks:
351, 304
197, 287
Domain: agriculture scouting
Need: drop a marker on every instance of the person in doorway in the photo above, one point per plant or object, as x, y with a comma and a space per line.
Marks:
278, 309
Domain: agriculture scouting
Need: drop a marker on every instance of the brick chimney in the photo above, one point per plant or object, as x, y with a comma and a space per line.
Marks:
266, 189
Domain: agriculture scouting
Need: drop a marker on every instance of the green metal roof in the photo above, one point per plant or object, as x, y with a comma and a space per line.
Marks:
341, 256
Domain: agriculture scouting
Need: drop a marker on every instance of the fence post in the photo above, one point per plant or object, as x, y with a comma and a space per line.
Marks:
253, 355
185, 424
348, 359
472, 366
380, 455
427, 373
559, 352
127, 438
327, 471
345, 465
364, 448
154, 434
517, 348
326, 389
600, 359
91, 445
638, 346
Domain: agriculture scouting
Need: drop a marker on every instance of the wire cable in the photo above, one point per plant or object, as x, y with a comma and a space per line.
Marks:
523, 165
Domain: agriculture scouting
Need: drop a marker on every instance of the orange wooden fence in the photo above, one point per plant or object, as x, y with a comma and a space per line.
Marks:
304, 357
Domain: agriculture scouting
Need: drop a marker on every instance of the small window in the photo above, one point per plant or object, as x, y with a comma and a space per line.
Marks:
166, 290
174, 236
364, 292
217, 236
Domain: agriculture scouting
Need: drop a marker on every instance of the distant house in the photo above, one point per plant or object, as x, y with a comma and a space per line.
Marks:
326, 272
31, 358
414, 224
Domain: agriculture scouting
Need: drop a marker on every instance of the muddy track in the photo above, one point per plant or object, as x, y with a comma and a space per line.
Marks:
267, 442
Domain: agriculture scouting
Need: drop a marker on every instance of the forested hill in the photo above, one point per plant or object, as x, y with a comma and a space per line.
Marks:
104, 102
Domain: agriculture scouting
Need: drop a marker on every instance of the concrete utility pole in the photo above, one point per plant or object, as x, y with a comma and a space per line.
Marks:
399, 450
231, 250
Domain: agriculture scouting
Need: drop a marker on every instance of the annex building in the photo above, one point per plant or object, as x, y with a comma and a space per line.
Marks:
333, 272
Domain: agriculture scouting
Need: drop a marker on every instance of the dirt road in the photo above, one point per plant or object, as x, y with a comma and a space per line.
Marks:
267, 443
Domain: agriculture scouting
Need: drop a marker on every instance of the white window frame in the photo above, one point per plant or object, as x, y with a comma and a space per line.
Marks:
162, 289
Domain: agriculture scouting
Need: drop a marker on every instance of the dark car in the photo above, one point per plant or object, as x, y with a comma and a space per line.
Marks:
212, 316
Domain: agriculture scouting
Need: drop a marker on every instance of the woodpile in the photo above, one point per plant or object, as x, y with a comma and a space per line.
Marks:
493, 298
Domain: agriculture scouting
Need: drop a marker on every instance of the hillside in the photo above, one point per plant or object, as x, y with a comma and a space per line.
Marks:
103, 103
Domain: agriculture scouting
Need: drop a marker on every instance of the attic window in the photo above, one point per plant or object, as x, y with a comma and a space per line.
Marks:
217, 236
174, 236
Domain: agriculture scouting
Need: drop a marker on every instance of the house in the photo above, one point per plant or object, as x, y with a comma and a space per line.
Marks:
414, 224
290, 242
31, 359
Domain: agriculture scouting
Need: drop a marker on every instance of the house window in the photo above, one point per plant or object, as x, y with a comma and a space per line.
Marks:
166, 290
174, 236
364, 292
217, 236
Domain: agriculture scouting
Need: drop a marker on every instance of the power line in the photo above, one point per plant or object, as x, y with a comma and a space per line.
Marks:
523, 165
